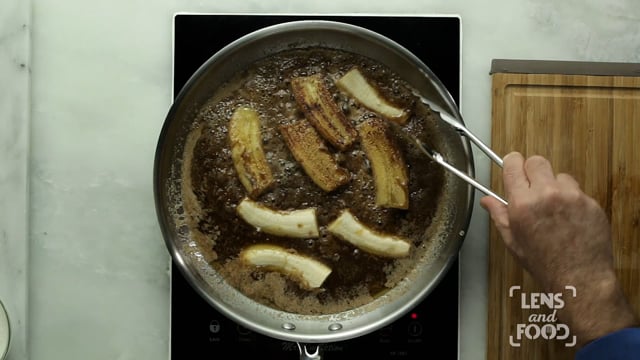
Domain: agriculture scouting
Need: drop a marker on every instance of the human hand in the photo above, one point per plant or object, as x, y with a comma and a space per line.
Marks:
561, 236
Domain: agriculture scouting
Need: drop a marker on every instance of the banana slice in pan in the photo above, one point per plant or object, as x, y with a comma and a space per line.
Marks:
247, 152
350, 229
387, 163
300, 223
313, 155
308, 271
355, 84
322, 112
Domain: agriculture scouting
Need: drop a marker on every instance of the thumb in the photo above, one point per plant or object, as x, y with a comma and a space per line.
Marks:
500, 217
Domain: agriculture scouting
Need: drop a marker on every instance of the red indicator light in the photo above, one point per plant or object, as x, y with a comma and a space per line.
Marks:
414, 316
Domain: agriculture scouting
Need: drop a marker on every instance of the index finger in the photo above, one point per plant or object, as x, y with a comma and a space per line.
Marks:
538, 170
513, 174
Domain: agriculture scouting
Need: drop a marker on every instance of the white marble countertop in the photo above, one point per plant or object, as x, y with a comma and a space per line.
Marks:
85, 89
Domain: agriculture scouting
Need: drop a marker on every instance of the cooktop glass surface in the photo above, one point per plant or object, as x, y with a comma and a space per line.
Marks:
432, 326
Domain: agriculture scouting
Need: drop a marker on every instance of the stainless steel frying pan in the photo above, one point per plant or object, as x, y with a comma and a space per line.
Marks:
315, 329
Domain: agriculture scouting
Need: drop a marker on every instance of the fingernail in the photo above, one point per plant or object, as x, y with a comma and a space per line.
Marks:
509, 154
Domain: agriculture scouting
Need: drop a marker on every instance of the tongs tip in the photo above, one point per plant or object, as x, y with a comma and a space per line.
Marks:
438, 158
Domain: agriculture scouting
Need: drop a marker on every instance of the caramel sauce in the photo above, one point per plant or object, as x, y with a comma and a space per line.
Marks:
357, 276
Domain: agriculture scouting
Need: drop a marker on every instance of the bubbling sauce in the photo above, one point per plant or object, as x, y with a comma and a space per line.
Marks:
212, 189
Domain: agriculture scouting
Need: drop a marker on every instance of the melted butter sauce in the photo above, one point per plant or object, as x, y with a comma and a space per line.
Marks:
357, 276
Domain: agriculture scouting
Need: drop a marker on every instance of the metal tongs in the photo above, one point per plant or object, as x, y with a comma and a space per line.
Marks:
437, 157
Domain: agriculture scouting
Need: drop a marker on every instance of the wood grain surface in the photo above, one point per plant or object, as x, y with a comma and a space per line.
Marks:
588, 126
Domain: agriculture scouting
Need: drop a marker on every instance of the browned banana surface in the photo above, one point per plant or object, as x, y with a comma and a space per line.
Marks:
310, 151
387, 163
316, 102
247, 153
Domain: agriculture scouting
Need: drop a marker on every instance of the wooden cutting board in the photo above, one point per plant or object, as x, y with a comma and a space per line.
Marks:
589, 126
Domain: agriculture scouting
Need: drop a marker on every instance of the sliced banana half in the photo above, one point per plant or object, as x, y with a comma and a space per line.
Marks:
315, 100
350, 229
357, 86
389, 168
300, 223
315, 158
308, 271
247, 152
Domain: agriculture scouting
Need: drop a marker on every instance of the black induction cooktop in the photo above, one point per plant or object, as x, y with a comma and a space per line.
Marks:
432, 327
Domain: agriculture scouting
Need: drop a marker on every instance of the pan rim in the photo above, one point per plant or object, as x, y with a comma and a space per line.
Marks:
177, 256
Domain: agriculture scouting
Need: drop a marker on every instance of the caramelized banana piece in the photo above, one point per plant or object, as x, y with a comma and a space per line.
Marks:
322, 112
387, 163
348, 228
247, 153
309, 272
300, 223
313, 155
355, 84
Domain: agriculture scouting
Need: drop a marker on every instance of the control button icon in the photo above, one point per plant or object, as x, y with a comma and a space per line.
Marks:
214, 326
386, 331
415, 328
243, 330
